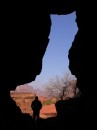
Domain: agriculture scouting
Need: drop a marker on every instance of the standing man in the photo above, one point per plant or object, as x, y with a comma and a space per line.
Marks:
36, 107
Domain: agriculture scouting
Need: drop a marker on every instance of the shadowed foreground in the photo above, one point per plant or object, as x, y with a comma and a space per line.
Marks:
72, 114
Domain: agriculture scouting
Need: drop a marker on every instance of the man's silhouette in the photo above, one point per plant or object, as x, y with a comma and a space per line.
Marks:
36, 107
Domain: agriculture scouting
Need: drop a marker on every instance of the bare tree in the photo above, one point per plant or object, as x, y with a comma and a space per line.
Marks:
53, 88
59, 85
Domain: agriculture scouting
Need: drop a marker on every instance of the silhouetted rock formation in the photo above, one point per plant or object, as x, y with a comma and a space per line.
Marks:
82, 60
24, 38
23, 42
11, 116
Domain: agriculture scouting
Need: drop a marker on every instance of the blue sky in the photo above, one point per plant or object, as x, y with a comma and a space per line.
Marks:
55, 60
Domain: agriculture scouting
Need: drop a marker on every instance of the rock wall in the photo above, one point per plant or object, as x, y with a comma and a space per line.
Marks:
23, 100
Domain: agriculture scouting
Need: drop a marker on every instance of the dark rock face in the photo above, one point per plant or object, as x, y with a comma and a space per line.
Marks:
23, 42
24, 38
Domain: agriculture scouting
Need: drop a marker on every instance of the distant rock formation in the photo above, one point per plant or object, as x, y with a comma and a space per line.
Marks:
24, 88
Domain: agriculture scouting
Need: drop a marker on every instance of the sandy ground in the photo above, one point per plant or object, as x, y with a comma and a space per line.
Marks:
48, 111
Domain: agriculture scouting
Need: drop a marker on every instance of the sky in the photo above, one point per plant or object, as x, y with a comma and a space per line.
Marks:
55, 60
